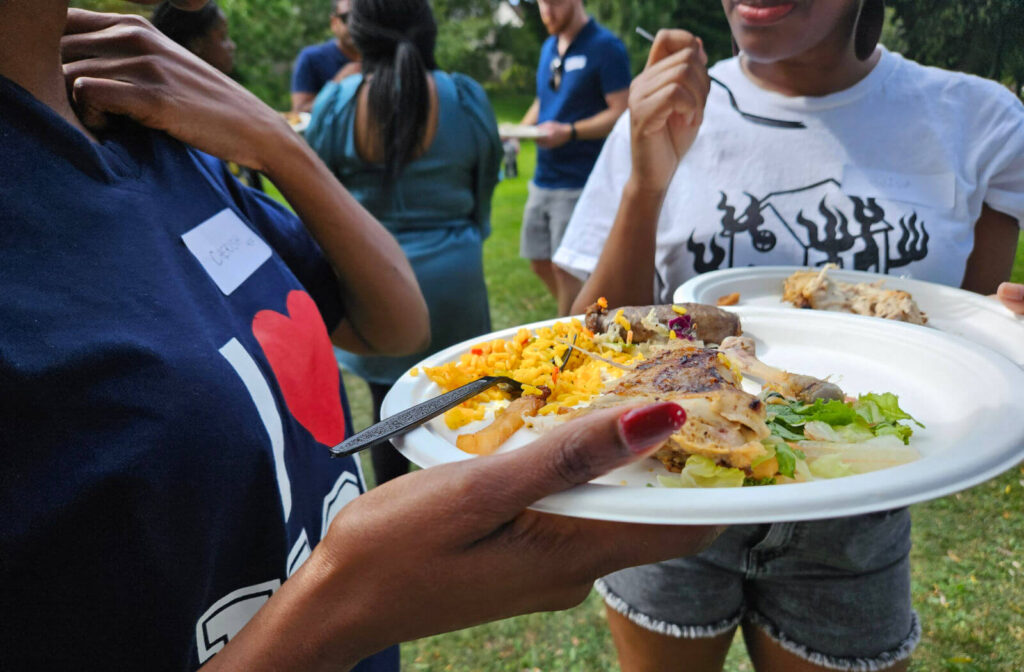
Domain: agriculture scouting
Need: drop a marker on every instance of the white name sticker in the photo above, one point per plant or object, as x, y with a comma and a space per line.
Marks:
575, 63
228, 250
936, 190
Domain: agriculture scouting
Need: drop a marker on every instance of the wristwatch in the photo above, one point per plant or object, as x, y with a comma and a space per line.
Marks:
572, 127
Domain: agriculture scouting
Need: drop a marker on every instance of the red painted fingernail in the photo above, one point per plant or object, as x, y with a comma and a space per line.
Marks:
643, 428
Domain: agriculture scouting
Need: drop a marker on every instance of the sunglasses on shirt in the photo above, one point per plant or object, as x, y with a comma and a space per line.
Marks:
557, 71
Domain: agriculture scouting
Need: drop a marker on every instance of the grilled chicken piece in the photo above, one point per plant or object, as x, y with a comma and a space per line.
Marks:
741, 352
710, 324
723, 422
812, 289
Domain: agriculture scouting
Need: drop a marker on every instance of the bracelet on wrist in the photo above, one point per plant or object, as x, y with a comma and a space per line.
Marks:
572, 132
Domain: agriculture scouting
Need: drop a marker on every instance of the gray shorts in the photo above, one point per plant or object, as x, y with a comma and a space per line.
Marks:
545, 217
834, 592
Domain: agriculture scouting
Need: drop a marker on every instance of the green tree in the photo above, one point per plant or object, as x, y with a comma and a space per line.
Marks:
701, 17
984, 37
269, 35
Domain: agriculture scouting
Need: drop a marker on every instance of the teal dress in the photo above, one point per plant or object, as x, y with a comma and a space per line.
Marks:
439, 210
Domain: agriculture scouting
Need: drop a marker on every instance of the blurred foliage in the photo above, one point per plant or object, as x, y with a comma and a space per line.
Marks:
985, 37
269, 35
700, 17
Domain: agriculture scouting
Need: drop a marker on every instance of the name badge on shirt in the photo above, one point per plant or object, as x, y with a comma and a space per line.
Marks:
227, 249
575, 63
937, 190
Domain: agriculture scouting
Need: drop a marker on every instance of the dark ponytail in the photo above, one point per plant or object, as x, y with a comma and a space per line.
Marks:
396, 39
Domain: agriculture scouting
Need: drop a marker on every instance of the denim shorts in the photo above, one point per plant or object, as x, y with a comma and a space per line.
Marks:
545, 217
835, 592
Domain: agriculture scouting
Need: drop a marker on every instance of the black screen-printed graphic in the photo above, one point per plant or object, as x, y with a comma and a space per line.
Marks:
849, 231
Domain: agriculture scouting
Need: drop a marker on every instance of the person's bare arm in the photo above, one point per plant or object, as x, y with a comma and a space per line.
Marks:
666, 103
532, 114
377, 579
302, 101
121, 65
591, 128
995, 245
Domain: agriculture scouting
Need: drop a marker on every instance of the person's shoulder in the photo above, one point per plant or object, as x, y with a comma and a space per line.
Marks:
471, 96
967, 91
316, 50
466, 86
603, 36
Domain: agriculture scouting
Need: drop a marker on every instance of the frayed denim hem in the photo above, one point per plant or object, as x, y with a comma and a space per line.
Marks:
879, 662
664, 627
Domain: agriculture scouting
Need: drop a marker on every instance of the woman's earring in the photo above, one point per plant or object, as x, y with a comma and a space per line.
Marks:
869, 28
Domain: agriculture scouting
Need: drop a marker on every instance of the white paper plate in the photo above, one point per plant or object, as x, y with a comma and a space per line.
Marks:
301, 124
971, 400
975, 317
520, 131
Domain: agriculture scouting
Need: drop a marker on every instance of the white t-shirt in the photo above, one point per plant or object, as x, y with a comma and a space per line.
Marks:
888, 176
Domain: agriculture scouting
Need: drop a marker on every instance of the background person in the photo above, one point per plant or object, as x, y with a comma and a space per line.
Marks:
419, 148
318, 64
205, 33
897, 168
166, 423
582, 88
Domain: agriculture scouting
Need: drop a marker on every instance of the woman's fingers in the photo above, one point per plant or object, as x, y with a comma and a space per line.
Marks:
1012, 296
668, 42
110, 96
679, 84
597, 547
574, 454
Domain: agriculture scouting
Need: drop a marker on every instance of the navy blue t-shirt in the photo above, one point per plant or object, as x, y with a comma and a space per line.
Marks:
164, 410
317, 65
594, 65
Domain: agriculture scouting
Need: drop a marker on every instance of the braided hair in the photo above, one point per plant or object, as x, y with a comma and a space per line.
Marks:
396, 39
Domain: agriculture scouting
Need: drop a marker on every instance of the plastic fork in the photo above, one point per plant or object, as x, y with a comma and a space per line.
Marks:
411, 418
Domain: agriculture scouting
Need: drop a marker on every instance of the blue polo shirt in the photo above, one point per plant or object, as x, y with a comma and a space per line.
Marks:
317, 65
594, 65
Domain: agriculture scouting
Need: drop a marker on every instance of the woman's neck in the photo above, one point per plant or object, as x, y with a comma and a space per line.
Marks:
829, 67
30, 32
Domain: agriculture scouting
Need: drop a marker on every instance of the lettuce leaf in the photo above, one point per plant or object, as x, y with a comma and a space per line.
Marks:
829, 466
869, 416
703, 472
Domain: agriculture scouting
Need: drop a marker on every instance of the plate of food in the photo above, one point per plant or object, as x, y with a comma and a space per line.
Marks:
979, 319
299, 121
790, 415
522, 131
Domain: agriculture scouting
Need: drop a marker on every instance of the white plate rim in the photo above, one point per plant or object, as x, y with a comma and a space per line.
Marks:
815, 500
521, 131
707, 287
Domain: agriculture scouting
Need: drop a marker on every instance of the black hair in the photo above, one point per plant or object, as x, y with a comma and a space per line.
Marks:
396, 39
183, 26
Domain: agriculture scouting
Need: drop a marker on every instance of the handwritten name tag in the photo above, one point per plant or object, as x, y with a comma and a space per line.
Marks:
227, 249
575, 63
936, 190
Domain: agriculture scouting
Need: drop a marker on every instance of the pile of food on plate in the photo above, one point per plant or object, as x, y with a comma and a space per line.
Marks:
814, 289
797, 428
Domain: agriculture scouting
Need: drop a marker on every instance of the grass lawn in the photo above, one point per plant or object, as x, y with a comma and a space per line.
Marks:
968, 556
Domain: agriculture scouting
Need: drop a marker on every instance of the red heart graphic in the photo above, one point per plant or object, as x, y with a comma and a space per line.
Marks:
299, 351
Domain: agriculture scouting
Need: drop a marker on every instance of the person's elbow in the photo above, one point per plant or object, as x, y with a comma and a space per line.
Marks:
414, 334
409, 329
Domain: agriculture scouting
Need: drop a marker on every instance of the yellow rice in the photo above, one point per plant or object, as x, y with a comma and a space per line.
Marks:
527, 357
